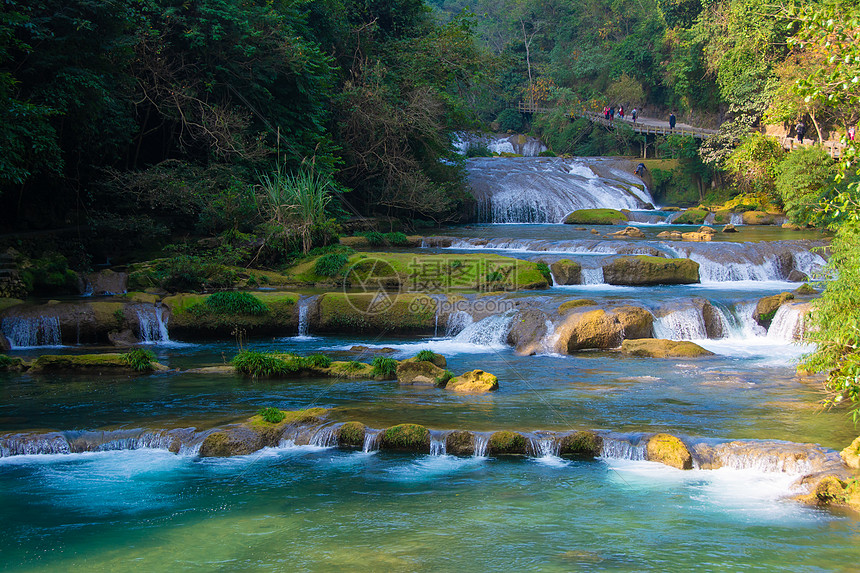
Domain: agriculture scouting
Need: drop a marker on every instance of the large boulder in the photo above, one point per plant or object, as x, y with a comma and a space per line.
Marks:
419, 372
527, 330
669, 450
473, 382
460, 443
192, 317
713, 321
589, 329
758, 218
583, 443
351, 434
596, 217
376, 312
566, 272
766, 308
256, 433
636, 322
505, 442
646, 270
697, 237
691, 217
405, 437
851, 454
107, 282
660, 348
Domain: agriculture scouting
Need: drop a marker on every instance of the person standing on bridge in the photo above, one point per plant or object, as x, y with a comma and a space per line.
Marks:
621, 111
633, 114
611, 113
800, 129
672, 121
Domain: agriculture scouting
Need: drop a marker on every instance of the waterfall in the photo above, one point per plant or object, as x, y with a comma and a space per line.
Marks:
23, 444
763, 261
736, 219
787, 323
481, 443
457, 322
152, 325
545, 190
325, 437
491, 331
549, 341
29, 332
769, 457
622, 448
182, 440
304, 310
682, 324
742, 324
371, 440
544, 446
592, 276
437, 444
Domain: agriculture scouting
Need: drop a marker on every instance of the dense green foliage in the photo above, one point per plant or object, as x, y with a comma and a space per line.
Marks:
269, 365
235, 302
271, 415
384, 366
425, 355
330, 264
139, 359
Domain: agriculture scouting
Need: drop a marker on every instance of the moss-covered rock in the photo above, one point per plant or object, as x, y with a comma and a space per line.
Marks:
506, 442
583, 443
833, 491
460, 443
766, 308
729, 228
851, 454
473, 382
351, 434
191, 317
659, 348
405, 437
9, 364
696, 237
805, 289
576, 303
369, 312
566, 272
420, 372
87, 363
589, 329
636, 322
239, 441
256, 433
669, 450
596, 217
758, 218
642, 270
628, 232
691, 217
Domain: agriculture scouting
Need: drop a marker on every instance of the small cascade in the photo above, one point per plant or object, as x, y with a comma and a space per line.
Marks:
592, 276
482, 441
27, 332
787, 323
152, 325
183, 440
736, 219
440, 300
683, 324
371, 440
742, 324
549, 342
544, 446
437, 444
304, 311
457, 322
619, 447
491, 331
325, 437
24, 444
768, 456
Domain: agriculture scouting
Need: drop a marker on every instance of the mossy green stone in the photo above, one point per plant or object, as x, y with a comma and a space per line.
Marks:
577, 303
582, 443
691, 217
406, 437
596, 217
89, 363
505, 442
669, 450
351, 434
190, 317
642, 270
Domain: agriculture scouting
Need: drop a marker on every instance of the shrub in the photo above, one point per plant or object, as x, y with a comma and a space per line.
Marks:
397, 239
510, 120
257, 364
478, 150
425, 355
318, 361
442, 380
352, 366
384, 366
374, 238
329, 265
271, 415
543, 269
139, 359
235, 302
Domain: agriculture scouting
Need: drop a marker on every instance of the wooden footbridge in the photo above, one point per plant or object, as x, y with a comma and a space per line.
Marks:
650, 126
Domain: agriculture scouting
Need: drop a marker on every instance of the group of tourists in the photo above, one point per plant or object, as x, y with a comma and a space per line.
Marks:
609, 113
800, 131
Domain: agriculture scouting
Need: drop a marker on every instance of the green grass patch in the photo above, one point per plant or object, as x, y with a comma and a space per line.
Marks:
233, 302
139, 359
330, 265
596, 217
425, 356
384, 366
272, 415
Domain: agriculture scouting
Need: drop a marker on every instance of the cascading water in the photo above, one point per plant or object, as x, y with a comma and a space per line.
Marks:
683, 324
622, 448
787, 323
304, 312
482, 441
152, 325
437, 444
457, 322
592, 276
543, 446
371, 440
325, 437
545, 190
490, 332
27, 332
